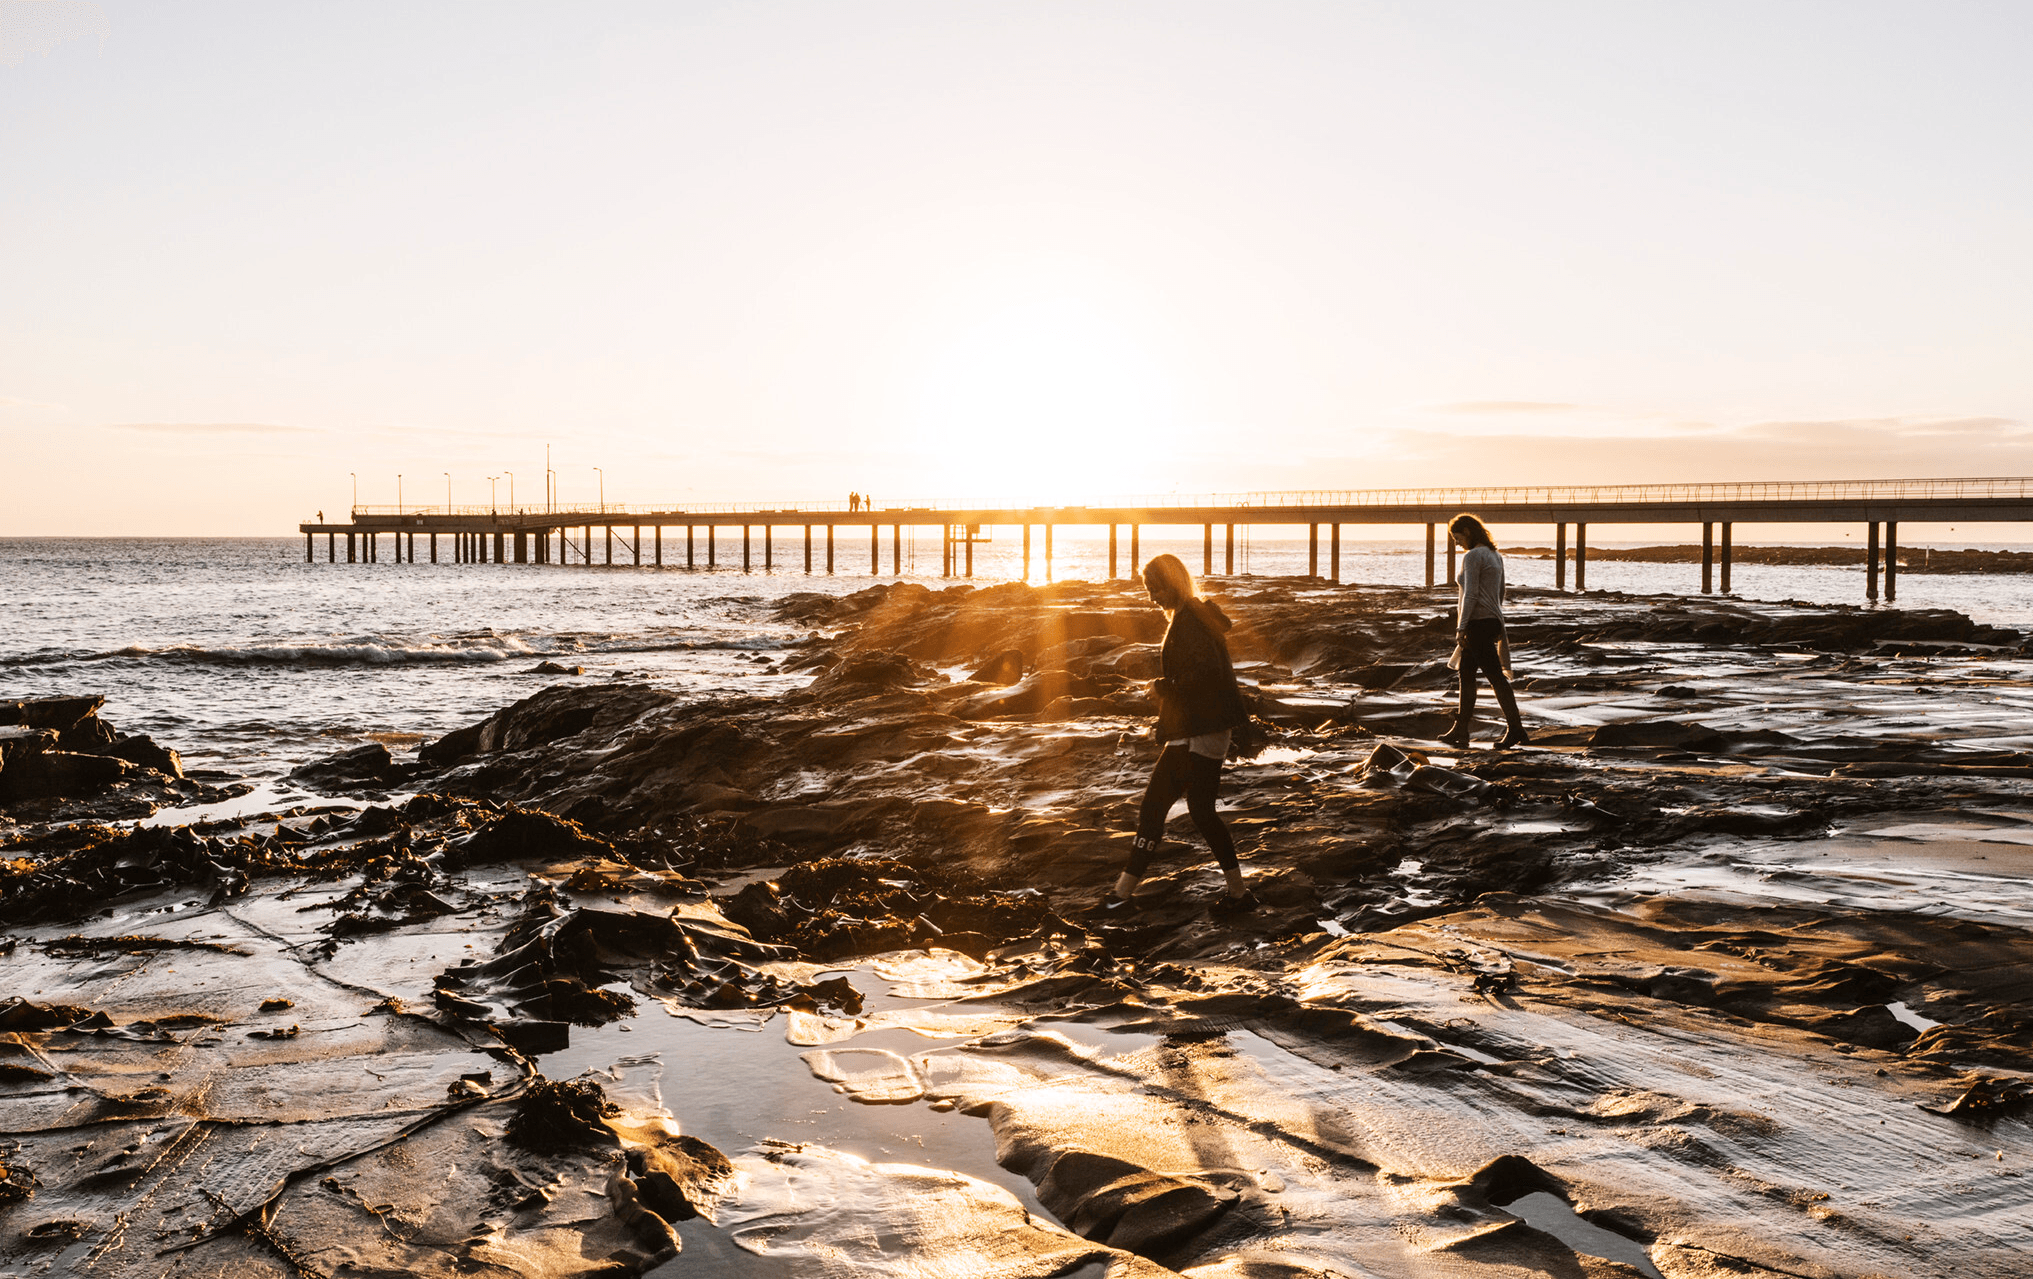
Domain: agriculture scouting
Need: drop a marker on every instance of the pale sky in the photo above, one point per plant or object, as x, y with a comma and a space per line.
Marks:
1031, 250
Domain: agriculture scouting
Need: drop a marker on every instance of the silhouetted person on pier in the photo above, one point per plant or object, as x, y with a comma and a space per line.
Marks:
1199, 706
854, 501
1480, 643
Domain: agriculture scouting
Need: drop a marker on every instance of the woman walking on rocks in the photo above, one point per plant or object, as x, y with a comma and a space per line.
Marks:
1199, 706
1480, 645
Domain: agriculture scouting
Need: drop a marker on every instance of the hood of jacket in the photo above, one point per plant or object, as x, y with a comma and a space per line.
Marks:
1211, 615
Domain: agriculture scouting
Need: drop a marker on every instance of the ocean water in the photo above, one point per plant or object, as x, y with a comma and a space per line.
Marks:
242, 656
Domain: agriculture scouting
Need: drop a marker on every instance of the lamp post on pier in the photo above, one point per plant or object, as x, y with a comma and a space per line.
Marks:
490, 493
603, 489
356, 489
448, 492
398, 492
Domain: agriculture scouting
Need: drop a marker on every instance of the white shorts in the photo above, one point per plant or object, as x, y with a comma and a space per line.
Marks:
1206, 745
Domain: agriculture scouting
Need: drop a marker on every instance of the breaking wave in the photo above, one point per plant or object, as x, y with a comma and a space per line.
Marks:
360, 651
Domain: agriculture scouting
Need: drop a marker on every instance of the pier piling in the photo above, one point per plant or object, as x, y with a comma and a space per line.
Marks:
1560, 556
1312, 550
1111, 550
1429, 555
1580, 556
1136, 561
1725, 556
1871, 563
1207, 551
1228, 552
1891, 560
896, 550
1707, 558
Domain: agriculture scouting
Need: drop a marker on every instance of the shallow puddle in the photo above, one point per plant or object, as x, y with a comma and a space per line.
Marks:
1282, 755
740, 1083
266, 797
1547, 1212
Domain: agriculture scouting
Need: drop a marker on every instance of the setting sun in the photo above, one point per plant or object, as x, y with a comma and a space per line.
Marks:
1048, 395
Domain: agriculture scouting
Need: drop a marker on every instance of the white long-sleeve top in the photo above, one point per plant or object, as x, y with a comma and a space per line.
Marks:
1482, 586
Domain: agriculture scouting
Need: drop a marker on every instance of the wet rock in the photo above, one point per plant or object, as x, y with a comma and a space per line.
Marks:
864, 674
678, 1173
570, 999
1033, 693
89, 736
1006, 667
1115, 1202
17, 1180
552, 1117
57, 714
21, 741
836, 906
142, 750
1380, 675
521, 834
548, 667
1076, 654
60, 774
553, 715
1131, 661
532, 1037
20, 1014
1665, 734
361, 766
1985, 1098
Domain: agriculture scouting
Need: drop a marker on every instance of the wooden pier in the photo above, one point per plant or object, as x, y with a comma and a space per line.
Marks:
590, 536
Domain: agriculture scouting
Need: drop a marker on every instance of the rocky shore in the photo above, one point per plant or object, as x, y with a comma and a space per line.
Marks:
1728, 975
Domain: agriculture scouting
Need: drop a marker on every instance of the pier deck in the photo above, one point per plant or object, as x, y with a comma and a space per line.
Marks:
558, 535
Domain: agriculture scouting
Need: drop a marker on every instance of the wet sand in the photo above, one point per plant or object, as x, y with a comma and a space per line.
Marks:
1728, 975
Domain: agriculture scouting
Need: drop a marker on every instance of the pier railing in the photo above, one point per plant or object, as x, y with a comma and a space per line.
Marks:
1993, 488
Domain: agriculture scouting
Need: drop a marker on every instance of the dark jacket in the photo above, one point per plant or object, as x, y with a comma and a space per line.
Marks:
1196, 692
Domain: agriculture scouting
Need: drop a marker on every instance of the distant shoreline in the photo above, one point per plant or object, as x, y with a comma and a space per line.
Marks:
1917, 559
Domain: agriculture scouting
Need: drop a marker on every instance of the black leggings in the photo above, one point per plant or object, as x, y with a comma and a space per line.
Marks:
1181, 772
1479, 655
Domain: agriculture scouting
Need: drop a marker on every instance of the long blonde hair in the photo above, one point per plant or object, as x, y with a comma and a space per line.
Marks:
1170, 570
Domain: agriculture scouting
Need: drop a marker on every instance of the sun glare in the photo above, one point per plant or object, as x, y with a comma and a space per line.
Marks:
1046, 400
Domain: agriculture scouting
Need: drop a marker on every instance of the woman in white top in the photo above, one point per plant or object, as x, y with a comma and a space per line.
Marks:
1479, 630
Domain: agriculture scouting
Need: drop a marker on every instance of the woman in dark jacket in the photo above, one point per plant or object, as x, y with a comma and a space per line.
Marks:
1480, 644
1199, 705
